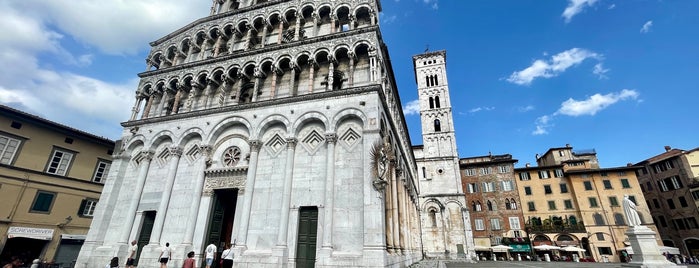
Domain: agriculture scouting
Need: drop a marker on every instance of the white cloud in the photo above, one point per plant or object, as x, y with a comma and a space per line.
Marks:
542, 125
575, 7
412, 107
556, 65
595, 103
92, 22
612, 6
388, 19
527, 108
478, 109
432, 3
646, 26
600, 71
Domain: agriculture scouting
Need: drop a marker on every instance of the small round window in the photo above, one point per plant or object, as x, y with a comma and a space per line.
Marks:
231, 156
440, 171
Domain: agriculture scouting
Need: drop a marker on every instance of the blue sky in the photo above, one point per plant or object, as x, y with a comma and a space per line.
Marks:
525, 75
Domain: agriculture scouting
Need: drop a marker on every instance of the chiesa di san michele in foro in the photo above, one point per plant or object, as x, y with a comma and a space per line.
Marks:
276, 126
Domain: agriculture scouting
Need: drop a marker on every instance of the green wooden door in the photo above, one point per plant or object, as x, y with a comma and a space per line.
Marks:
307, 237
146, 230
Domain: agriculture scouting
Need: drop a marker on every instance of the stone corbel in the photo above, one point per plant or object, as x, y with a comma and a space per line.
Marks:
259, 73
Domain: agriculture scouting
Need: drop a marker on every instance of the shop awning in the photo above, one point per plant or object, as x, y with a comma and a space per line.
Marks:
28, 232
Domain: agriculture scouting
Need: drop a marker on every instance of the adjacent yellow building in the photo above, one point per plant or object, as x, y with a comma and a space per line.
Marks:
51, 177
568, 200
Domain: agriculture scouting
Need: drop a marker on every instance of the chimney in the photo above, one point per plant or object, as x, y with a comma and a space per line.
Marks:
527, 165
567, 145
629, 164
667, 148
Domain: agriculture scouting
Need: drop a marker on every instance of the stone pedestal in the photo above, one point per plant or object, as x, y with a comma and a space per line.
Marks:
645, 249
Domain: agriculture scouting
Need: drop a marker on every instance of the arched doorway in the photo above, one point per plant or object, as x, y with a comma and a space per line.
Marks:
692, 245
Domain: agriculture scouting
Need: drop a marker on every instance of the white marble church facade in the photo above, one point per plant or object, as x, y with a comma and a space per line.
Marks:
274, 125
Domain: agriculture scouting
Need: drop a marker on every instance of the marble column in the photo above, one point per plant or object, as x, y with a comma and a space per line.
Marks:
275, 73
394, 208
292, 83
178, 96
390, 246
350, 79
191, 101
248, 39
280, 35
311, 69
286, 195
198, 189
330, 139
333, 19
208, 92
259, 74
136, 107
316, 21
331, 71
217, 45
162, 107
249, 191
149, 104
265, 29
297, 29
174, 161
144, 165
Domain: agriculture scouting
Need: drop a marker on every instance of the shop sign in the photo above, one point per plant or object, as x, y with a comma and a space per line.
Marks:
520, 248
28, 232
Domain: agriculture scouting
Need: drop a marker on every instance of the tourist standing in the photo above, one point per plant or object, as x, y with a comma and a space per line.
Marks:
189, 262
165, 256
210, 254
227, 257
132, 254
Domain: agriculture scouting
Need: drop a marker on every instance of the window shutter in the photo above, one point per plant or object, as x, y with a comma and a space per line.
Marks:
82, 207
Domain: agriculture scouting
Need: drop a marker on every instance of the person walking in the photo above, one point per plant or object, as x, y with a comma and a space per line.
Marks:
131, 258
210, 254
227, 257
165, 256
14, 263
189, 262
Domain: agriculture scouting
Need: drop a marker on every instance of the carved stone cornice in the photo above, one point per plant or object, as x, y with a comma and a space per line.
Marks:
291, 143
213, 183
255, 145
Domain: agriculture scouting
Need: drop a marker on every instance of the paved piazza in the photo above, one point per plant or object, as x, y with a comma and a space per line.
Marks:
534, 264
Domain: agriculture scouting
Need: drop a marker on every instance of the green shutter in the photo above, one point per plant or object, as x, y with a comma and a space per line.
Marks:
82, 207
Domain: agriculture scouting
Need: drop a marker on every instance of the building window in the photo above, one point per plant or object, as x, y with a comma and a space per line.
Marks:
101, 171
552, 205
600, 236
656, 203
507, 186
8, 149
495, 224
599, 220
486, 171
471, 172
559, 173
424, 172
431, 103
504, 169
544, 174
437, 126
547, 189
436, 99
568, 204
668, 164
517, 234
607, 184
695, 195
619, 219
60, 161
613, 201
480, 225
662, 221
524, 176
488, 187
588, 185
564, 188
649, 186
433, 217
633, 199
473, 187
527, 190
87, 207
514, 223
43, 201
683, 201
593, 202
478, 206
531, 206
491, 206
676, 183
663, 186
691, 223
671, 203
513, 204
625, 183
605, 250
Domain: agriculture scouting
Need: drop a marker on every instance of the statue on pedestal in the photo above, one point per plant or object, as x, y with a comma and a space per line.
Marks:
631, 213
